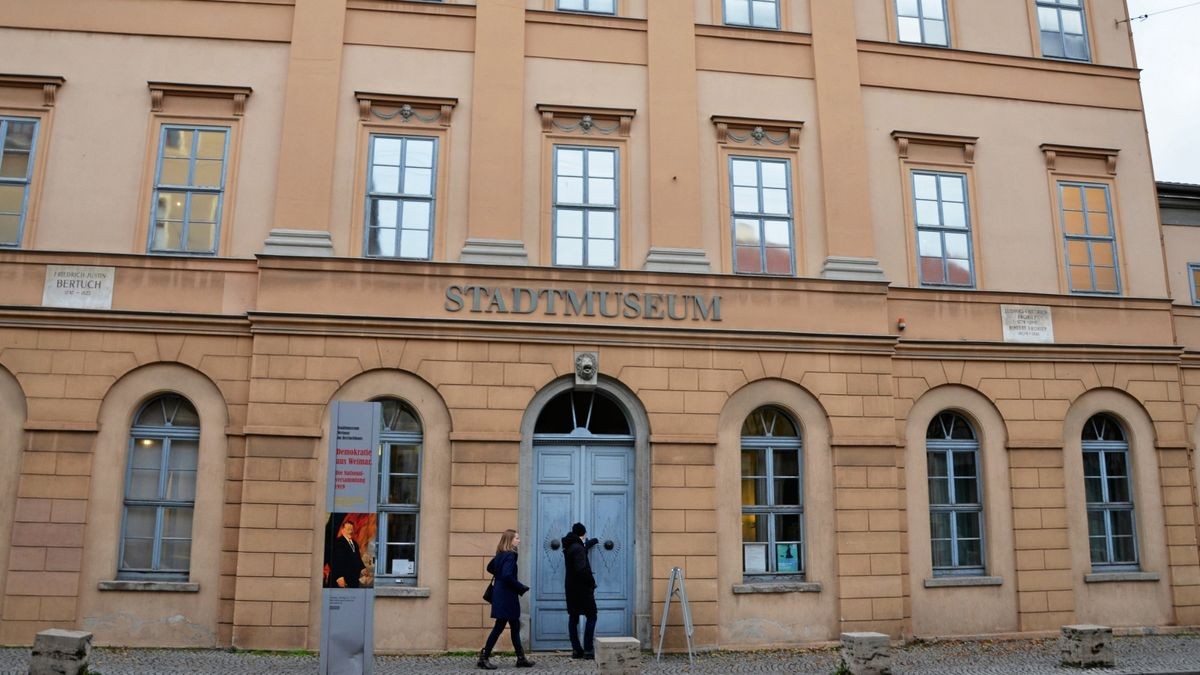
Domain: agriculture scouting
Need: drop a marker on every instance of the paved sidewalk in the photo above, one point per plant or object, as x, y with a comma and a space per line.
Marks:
1156, 654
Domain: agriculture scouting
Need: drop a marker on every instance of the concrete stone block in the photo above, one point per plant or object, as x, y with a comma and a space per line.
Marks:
1086, 646
867, 653
618, 655
61, 652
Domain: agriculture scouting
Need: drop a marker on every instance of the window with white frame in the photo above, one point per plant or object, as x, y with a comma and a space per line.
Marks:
943, 222
1089, 238
160, 491
1194, 279
590, 6
401, 196
752, 13
772, 494
1063, 29
399, 492
761, 198
1111, 527
586, 206
189, 188
955, 502
18, 140
922, 22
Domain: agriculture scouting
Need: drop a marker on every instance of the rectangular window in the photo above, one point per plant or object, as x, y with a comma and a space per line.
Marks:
590, 6
955, 508
189, 187
752, 13
586, 206
761, 195
943, 221
1089, 238
1109, 504
922, 22
18, 140
1062, 29
401, 184
1194, 278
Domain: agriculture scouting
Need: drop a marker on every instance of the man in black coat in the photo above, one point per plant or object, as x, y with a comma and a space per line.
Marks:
345, 560
580, 589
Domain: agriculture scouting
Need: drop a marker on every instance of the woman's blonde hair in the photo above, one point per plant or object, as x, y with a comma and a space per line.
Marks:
506, 541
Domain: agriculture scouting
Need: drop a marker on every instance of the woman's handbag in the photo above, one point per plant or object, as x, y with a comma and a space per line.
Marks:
487, 592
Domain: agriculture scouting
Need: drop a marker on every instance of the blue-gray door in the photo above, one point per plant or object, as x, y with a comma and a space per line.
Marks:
588, 478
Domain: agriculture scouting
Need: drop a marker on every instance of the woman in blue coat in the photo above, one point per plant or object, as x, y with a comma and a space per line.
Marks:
506, 608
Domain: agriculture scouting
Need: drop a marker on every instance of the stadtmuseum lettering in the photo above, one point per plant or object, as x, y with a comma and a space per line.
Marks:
571, 302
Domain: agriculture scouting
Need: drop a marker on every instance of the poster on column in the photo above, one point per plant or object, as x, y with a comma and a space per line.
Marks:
348, 572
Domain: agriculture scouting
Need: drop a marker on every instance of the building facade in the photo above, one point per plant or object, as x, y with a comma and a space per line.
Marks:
883, 329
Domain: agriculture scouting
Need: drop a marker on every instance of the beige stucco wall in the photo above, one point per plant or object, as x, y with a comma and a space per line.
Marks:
98, 156
1181, 246
1015, 205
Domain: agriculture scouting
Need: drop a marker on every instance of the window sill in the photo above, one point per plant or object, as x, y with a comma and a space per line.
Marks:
958, 582
777, 587
1111, 577
149, 586
401, 592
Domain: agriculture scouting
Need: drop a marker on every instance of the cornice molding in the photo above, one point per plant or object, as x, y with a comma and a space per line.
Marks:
904, 139
236, 95
584, 121
49, 85
1052, 152
437, 110
753, 131
993, 351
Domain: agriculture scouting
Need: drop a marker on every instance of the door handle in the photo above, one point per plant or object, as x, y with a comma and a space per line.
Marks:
608, 544
554, 544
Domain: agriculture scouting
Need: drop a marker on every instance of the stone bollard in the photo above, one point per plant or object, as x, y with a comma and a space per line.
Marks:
61, 652
622, 655
867, 653
1086, 646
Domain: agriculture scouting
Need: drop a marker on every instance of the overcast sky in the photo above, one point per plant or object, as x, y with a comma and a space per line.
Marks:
1168, 52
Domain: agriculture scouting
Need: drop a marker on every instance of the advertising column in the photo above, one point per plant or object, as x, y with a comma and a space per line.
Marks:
348, 575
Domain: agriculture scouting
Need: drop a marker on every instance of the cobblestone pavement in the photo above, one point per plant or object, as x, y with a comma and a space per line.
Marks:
1145, 655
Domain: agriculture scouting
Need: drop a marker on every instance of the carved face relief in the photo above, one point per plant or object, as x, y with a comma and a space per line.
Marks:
585, 366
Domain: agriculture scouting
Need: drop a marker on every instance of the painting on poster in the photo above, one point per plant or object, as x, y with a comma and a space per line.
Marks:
349, 551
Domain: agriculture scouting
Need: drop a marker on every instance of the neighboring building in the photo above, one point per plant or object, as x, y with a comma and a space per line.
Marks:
875, 289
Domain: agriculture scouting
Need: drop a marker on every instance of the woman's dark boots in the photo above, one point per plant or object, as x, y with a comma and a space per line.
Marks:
523, 662
484, 663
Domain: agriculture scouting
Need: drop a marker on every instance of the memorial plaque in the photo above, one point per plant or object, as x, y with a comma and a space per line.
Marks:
1027, 323
78, 287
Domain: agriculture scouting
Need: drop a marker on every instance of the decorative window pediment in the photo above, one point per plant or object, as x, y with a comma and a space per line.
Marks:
1053, 152
237, 96
906, 139
761, 132
49, 85
586, 121
428, 110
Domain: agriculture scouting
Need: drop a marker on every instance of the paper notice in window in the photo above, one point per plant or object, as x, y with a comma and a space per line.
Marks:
401, 567
755, 558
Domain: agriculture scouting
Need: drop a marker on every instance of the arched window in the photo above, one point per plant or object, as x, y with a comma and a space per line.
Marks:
399, 492
1111, 533
772, 495
160, 490
955, 500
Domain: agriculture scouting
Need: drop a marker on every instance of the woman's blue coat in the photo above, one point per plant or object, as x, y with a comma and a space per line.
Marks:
505, 603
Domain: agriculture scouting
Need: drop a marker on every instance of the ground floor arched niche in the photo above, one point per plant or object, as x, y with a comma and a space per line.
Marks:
960, 601
153, 613
12, 437
408, 618
1140, 594
642, 573
764, 610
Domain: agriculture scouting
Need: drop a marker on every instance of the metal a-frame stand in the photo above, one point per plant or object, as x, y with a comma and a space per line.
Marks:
675, 586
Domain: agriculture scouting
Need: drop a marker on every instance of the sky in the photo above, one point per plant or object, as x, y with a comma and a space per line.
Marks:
1168, 52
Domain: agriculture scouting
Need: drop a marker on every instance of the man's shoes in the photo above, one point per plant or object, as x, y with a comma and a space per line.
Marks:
483, 663
589, 656
523, 662
576, 655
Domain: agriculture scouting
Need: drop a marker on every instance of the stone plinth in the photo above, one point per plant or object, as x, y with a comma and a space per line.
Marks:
621, 655
867, 653
1086, 646
60, 652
